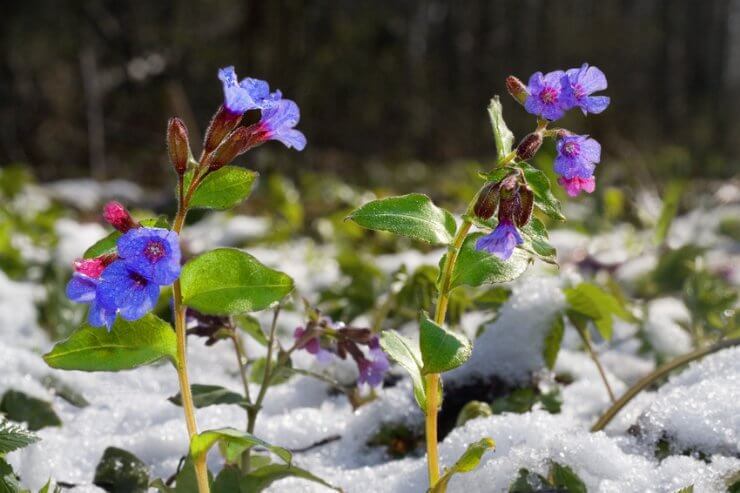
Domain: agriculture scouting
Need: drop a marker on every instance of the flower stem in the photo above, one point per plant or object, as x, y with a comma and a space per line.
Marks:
648, 380
432, 380
201, 470
587, 342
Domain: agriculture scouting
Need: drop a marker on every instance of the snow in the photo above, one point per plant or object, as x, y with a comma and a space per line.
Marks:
698, 409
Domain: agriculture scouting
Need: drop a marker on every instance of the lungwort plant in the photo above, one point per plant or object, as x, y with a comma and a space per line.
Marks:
498, 235
138, 267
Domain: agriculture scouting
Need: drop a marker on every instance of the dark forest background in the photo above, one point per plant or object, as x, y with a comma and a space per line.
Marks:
86, 87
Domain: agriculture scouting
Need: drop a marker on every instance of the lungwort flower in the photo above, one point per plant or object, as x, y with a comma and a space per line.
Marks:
374, 367
575, 185
577, 156
153, 253
577, 86
249, 94
545, 95
83, 289
127, 292
501, 241
277, 123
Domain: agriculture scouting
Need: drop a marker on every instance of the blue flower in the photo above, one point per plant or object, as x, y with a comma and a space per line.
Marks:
501, 241
153, 253
126, 291
277, 124
83, 289
249, 94
577, 156
373, 370
579, 83
545, 95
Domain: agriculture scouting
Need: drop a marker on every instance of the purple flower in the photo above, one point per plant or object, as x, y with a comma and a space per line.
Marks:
575, 185
83, 289
501, 241
577, 156
578, 85
249, 94
545, 95
126, 291
277, 124
313, 346
153, 253
373, 368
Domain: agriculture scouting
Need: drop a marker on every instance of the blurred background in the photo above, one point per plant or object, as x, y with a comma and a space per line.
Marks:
86, 87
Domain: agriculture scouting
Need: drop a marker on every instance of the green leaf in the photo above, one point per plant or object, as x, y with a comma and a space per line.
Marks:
474, 268
496, 175
441, 349
47, 488
671, 200
468, 461
22, 408
14, 437
553, 338
412, 215
473, 410
209, 395
536, 241
202, 442
121, 471
593, 302
501, 134
251, 326
564, 477
227, 481
107, 245
540, 185
64, 391
528, 482
222, 189
263, 477
8, 480
128, 345
229, 281
257, 373
406, 354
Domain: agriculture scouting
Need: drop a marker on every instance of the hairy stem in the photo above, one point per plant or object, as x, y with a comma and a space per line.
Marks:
659, 373
432, 379
201, 471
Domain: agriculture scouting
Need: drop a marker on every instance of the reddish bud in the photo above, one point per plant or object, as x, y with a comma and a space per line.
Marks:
178, 147
91, 267
526, 205
517, 89
529, 146
117, 216
222, 123
487, 201
235, 144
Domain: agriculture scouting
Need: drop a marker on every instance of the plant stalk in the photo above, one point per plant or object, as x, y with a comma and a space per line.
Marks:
659, 373
432, 380
201, 470
587, 342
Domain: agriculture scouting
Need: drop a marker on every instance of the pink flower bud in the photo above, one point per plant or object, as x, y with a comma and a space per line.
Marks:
117, 216
517, 89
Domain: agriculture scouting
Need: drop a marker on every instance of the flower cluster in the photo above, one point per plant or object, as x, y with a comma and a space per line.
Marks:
324, 339
515, 201
550, 96
225, 139
126, 282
